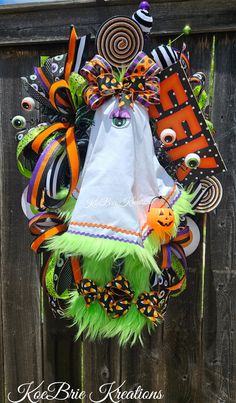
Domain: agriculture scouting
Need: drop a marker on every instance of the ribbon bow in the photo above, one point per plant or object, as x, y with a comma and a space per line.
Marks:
117, 296
139, 82
176, 246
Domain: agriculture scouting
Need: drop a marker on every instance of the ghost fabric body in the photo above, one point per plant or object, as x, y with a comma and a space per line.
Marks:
109, 221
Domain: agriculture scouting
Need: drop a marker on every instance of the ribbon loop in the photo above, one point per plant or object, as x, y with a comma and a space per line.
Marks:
89, 290
148, 304
139, 83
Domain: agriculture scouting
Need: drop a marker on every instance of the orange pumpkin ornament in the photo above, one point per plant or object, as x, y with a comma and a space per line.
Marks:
161, 219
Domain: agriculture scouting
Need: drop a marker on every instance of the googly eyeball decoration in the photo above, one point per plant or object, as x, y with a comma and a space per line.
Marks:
192, 160
18, 122
168, 137
28, 104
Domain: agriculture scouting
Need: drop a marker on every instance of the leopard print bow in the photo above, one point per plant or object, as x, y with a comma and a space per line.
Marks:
138, 84
117, 296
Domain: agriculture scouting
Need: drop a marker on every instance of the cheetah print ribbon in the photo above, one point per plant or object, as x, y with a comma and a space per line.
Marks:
117, 296
139, 83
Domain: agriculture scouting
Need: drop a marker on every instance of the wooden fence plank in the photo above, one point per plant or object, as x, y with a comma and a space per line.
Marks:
62, 356
101, 365
144, 366
20, 282
46, 24
220, 297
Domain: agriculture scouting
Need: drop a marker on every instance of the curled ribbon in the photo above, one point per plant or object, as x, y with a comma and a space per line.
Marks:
139, 82
117, 296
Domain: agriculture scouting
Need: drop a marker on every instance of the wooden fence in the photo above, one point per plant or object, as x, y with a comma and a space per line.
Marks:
192, 356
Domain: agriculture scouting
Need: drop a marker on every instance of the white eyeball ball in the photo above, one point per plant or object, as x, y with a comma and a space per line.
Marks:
28, 104
168, 136
192, 160
18, 122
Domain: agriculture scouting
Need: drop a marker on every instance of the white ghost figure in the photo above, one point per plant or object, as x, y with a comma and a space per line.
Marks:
120, 177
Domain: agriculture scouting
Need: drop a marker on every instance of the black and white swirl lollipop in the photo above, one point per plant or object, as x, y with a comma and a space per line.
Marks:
212, 195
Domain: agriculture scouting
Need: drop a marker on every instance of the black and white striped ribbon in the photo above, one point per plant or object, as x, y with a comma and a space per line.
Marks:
164, 56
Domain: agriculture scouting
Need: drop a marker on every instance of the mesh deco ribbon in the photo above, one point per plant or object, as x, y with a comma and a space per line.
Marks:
117, 297
138, 84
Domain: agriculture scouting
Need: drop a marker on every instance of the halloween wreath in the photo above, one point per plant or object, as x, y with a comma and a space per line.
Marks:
119, 158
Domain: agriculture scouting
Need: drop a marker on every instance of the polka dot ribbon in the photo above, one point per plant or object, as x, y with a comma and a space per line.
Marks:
117, 297
139, 83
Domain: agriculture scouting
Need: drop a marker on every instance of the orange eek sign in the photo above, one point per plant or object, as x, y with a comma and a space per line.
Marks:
179, 111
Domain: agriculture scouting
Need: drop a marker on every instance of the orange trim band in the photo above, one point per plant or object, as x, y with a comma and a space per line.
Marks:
88, 224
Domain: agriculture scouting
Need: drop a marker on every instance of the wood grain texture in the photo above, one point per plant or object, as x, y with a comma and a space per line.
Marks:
62, 356
144, 366
46, 24
101, 365
20, 283
220, 296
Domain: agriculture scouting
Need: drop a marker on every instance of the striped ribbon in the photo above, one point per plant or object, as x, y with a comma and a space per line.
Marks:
66, 142
175, 246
